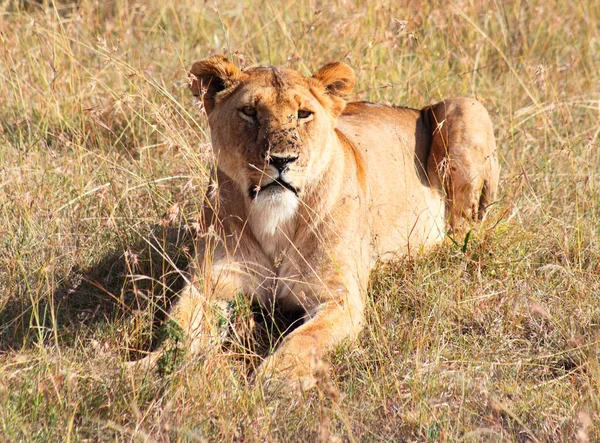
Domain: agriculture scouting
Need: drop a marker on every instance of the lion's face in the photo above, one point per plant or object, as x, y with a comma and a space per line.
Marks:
270, 127
270, 141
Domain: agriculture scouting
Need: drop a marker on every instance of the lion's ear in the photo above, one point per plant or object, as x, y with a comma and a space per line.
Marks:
210, 76
338, 79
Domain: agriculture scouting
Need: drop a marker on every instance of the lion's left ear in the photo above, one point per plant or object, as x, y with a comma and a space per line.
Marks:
211, 76
338, 79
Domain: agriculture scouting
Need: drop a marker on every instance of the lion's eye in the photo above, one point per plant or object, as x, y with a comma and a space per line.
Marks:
303, 114
249, 111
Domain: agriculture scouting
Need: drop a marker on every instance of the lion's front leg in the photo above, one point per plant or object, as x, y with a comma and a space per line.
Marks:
203, 309
301, 353
198, 319
463, 158
199, 314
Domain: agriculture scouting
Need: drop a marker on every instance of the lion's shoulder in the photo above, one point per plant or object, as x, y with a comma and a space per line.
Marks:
365, 113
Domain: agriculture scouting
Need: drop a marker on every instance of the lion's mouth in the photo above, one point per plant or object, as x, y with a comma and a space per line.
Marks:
254, 191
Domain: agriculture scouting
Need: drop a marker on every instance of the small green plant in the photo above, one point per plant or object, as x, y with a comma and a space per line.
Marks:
465, 243
171, 339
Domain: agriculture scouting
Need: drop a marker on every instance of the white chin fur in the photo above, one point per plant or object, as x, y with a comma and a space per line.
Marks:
270, 210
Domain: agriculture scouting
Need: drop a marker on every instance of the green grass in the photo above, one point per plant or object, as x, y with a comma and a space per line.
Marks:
101, 145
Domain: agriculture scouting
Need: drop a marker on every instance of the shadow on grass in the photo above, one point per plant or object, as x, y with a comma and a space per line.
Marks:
132, 288
127, 296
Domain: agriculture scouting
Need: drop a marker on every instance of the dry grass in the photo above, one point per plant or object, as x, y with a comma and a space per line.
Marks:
494, 340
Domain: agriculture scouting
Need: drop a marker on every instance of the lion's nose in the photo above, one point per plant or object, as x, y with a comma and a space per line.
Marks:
281, 162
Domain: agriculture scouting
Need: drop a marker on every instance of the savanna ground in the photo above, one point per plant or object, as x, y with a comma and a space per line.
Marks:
103, 162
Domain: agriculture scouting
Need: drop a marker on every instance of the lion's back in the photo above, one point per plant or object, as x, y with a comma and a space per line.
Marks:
394, 142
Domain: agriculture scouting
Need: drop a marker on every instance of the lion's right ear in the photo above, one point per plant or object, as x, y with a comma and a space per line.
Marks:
211, 76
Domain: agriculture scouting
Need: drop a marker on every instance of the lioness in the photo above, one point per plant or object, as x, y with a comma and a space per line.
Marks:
308, 192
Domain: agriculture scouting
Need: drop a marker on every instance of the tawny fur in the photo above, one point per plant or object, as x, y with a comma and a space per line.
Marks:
367, 182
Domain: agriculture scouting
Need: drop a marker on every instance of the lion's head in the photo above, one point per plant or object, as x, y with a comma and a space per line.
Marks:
270, 126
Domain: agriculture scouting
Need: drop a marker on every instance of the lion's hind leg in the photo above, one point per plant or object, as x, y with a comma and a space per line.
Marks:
463, 159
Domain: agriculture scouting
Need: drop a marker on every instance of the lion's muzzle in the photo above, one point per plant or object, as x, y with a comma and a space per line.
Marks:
281, 162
